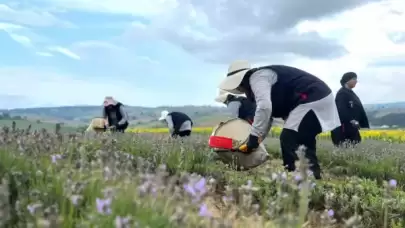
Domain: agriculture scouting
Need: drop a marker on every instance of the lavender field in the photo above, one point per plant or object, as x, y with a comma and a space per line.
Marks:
147, 180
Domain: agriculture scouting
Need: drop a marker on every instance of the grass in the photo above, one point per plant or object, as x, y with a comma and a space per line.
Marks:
150, 180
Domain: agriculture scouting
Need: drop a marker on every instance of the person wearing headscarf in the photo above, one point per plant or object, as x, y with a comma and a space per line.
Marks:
239, 106
351, 113
305, 102
115, 115
179, 124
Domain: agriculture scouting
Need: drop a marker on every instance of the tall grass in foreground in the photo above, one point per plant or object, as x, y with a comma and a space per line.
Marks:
148, 180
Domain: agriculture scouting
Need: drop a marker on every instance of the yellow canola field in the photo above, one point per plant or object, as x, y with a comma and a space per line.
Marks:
385, 135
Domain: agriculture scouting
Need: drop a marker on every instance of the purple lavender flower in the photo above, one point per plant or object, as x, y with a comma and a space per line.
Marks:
103, 205
204, 212
331, 213
393, 183
121, 222
196, 190
55, 157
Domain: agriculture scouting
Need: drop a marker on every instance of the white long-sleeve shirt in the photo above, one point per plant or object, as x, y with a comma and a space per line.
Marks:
261, 83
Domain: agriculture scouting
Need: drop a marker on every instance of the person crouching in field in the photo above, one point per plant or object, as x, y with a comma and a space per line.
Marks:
239, 106
179, 124
115, 115
351, 113
305, 102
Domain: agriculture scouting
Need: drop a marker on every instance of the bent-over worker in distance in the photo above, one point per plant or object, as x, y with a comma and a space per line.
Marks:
115, 115
304, 101
351, 113
239, 106
179, 124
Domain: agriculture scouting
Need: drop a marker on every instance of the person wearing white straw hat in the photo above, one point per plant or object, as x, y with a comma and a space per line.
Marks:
305, 102
179, 124
115, 115
239, 106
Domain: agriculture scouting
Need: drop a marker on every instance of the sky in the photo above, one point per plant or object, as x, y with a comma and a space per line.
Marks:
176, 52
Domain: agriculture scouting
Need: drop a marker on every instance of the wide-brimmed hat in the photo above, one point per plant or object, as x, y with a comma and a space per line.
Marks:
222, 96
163, 115
108, 100
236, 72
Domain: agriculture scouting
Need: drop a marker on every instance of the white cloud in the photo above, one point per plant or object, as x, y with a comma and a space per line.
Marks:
46, 86
129, 7
44, 54
13, 31
365, 33
368, 33
9, 26
23, 40
30, 17
64, 51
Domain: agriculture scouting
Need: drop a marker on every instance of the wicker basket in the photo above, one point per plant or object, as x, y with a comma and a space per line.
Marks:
239, 130
98, 123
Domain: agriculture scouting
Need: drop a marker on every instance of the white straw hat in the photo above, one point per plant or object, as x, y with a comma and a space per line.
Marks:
236, 72
109, 100
163, 115
222, 96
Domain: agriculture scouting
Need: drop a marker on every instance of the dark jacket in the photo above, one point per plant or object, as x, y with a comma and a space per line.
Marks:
178, 119
350, 108
247, 108
293, 87
113, 114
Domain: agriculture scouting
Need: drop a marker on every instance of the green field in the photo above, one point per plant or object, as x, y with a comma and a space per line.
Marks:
149, 180
23, 124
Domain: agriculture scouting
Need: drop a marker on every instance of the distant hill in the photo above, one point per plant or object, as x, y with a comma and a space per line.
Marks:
140, 116
394, 105
35, 125
379, 114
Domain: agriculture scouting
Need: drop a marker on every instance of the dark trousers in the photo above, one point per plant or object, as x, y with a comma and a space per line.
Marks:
120, 127
290, 140
346, 135
181, 134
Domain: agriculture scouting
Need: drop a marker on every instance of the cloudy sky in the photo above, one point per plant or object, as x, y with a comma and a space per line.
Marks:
159, 52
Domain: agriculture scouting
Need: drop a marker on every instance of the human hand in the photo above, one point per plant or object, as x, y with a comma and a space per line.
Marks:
252, 144
355, 123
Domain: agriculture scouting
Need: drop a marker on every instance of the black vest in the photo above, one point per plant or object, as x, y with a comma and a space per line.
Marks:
247, 108
293, 87
178, 119
116, 109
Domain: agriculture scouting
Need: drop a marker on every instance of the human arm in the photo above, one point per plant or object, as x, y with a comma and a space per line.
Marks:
124, 115
105, 117
170, 124
261, 83
233, 107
